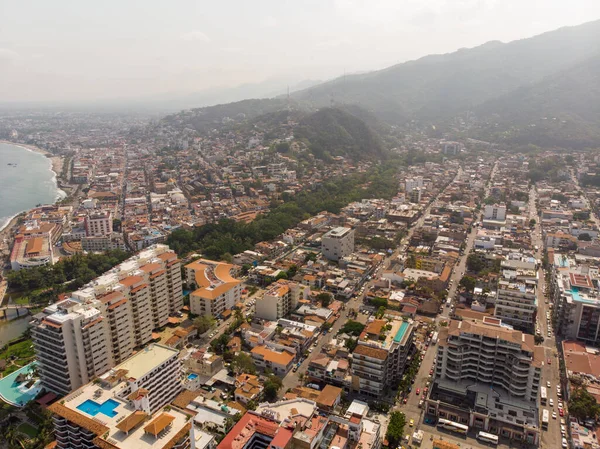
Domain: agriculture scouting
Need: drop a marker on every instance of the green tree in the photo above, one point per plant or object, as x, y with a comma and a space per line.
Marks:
395, 430
380, 312
204, 323
474, 263
352, 327
468, 283
351, 344
324, 298
583, 405
243, 363
584, 236
272, 386
379, 302
219, 344
532, 223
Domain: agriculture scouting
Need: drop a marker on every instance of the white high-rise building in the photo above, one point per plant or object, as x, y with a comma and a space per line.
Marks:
337, 243
118, 311
488, 377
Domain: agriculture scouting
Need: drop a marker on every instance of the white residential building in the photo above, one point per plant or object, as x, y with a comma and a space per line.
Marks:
516, 300
379, 364
494, 212
216, 290
488, 377
337, 243
126, 303
280, 299
125, 407
413, 183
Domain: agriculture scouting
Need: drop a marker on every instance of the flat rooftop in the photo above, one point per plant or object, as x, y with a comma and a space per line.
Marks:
100, 409
146, 360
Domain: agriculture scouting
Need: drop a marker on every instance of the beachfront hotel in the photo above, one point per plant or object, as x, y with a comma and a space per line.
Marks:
127, 407
103, 323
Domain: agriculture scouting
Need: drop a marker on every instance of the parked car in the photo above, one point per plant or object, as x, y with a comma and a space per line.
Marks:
418, 391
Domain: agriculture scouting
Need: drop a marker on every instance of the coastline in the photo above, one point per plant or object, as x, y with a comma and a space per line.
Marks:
56, 167
57, 162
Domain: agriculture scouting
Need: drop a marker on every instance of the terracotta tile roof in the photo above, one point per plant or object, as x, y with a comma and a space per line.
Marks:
138, 288
159, 424
184, 398
131, 280
132, 421
526, 341
167, 256
369, 351
150, 267
329, 395
157, 274
138, 394
117, 304
282, 358
374, 328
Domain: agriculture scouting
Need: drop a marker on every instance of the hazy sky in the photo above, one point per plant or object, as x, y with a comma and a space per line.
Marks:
63, 50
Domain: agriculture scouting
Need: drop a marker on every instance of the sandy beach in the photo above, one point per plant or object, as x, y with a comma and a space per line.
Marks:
57, 161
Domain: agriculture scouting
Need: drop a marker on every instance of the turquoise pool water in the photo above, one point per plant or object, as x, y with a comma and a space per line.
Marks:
401, 332
93, 408
192, 376
16, 393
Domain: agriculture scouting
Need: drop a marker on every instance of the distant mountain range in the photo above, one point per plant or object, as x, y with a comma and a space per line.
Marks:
544, 90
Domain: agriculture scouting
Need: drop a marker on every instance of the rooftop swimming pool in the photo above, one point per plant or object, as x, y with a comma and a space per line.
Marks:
17, 393
93, 408
192, 376
401, 332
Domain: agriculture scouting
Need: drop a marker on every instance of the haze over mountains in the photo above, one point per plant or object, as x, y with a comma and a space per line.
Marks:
544, 89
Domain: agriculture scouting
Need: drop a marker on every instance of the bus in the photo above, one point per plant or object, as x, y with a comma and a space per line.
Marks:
488, 437
545, 419
543, 395
448, 302
453, 426
434, 339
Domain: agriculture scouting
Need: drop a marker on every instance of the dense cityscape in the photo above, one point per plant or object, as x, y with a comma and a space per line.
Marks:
339, 267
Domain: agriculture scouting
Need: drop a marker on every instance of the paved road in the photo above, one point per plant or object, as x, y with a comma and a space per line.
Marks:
411, 408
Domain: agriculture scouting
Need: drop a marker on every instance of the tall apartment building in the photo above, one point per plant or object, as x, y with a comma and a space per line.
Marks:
380, 363
71, 348
516, 299
280, 299
98, 223
125, 407
126, 302
337, 243
577, 305
413, 183
216, 289
488, 377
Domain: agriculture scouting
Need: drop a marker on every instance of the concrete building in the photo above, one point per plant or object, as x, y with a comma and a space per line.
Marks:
71, 345
101, 243
280, 299
516, 300
278, 359
216, 288
118, 311
124, 408
413, 183
577, 305
488, 377
337, 243
98, 224
494, 212
380, 363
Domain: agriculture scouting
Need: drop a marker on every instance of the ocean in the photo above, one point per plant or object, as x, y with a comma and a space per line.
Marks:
27, 182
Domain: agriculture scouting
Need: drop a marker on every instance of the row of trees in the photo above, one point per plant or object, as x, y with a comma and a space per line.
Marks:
231, 237
69, 274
